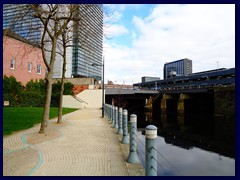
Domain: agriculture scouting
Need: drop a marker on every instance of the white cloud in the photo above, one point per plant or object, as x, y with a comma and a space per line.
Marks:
122, 7
203, 33
115, 30
112, 16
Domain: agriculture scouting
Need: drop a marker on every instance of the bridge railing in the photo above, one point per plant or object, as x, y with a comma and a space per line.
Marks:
205, 78
170, 84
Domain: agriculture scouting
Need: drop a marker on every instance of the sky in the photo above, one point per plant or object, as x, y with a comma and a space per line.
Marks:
140, 38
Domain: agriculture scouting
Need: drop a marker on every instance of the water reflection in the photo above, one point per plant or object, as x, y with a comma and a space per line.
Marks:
191, 144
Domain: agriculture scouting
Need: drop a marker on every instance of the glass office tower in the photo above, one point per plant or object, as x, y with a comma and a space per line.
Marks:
87, 42
17, 18
177, 68
87, 38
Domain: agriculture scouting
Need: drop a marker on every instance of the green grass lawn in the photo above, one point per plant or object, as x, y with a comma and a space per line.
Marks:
19, 118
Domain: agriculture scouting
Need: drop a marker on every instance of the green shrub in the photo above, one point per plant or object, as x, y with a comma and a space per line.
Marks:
56, 92
33, 94
12, 90
55, 99
30, 99
36, 86
68, 88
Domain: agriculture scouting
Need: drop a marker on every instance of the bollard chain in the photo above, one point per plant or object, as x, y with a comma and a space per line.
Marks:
153, 169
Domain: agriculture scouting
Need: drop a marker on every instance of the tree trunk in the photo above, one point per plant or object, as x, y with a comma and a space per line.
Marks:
60, 102
44, 124
63, 77
46, 111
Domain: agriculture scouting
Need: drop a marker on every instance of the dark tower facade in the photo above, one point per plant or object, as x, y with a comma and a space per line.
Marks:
177, 68
87, 42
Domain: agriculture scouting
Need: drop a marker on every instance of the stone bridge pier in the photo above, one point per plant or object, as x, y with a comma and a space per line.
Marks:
182, 103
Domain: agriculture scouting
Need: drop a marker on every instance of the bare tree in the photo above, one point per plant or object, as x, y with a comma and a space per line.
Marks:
64, 55
76, 36
59, 23
54, 19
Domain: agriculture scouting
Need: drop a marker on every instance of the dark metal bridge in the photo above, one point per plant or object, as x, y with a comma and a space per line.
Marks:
115, 91
128, 98
205, 79
193, 93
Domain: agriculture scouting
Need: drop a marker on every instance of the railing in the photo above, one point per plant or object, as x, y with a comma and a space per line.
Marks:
195, 84
79, 99
148, 148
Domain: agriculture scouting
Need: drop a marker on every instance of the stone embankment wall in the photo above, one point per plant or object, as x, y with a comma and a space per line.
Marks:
224, 101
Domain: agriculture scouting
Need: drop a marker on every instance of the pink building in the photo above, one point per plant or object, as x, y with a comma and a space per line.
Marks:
21, 59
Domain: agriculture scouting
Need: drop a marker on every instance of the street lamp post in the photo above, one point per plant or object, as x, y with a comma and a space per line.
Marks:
103, 90
94, 64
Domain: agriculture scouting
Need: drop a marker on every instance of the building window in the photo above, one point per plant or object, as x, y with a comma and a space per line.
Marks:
39, 69
12, 65
29, 67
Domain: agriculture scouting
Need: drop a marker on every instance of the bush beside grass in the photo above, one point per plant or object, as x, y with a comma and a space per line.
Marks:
33, 94
20, 118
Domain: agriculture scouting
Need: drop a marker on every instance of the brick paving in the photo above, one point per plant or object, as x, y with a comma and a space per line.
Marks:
83, 145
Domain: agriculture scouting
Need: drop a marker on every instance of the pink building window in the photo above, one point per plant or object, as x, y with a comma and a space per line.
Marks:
29, 67
12, 64
39, 69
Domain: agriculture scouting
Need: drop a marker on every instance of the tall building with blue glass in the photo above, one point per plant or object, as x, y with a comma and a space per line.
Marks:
177, 68
18, 18
87, 36
87, 42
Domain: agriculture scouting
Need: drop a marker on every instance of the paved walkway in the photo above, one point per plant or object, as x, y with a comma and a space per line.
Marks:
83, 145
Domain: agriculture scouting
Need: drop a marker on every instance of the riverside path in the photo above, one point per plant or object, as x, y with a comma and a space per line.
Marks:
83, 145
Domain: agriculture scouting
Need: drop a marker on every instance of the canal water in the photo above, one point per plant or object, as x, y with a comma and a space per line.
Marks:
190, 145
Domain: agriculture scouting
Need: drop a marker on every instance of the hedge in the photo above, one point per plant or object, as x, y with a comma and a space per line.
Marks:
33, 94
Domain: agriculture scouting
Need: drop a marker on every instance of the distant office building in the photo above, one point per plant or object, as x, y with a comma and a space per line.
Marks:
177, 68
148, 79
87, 38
